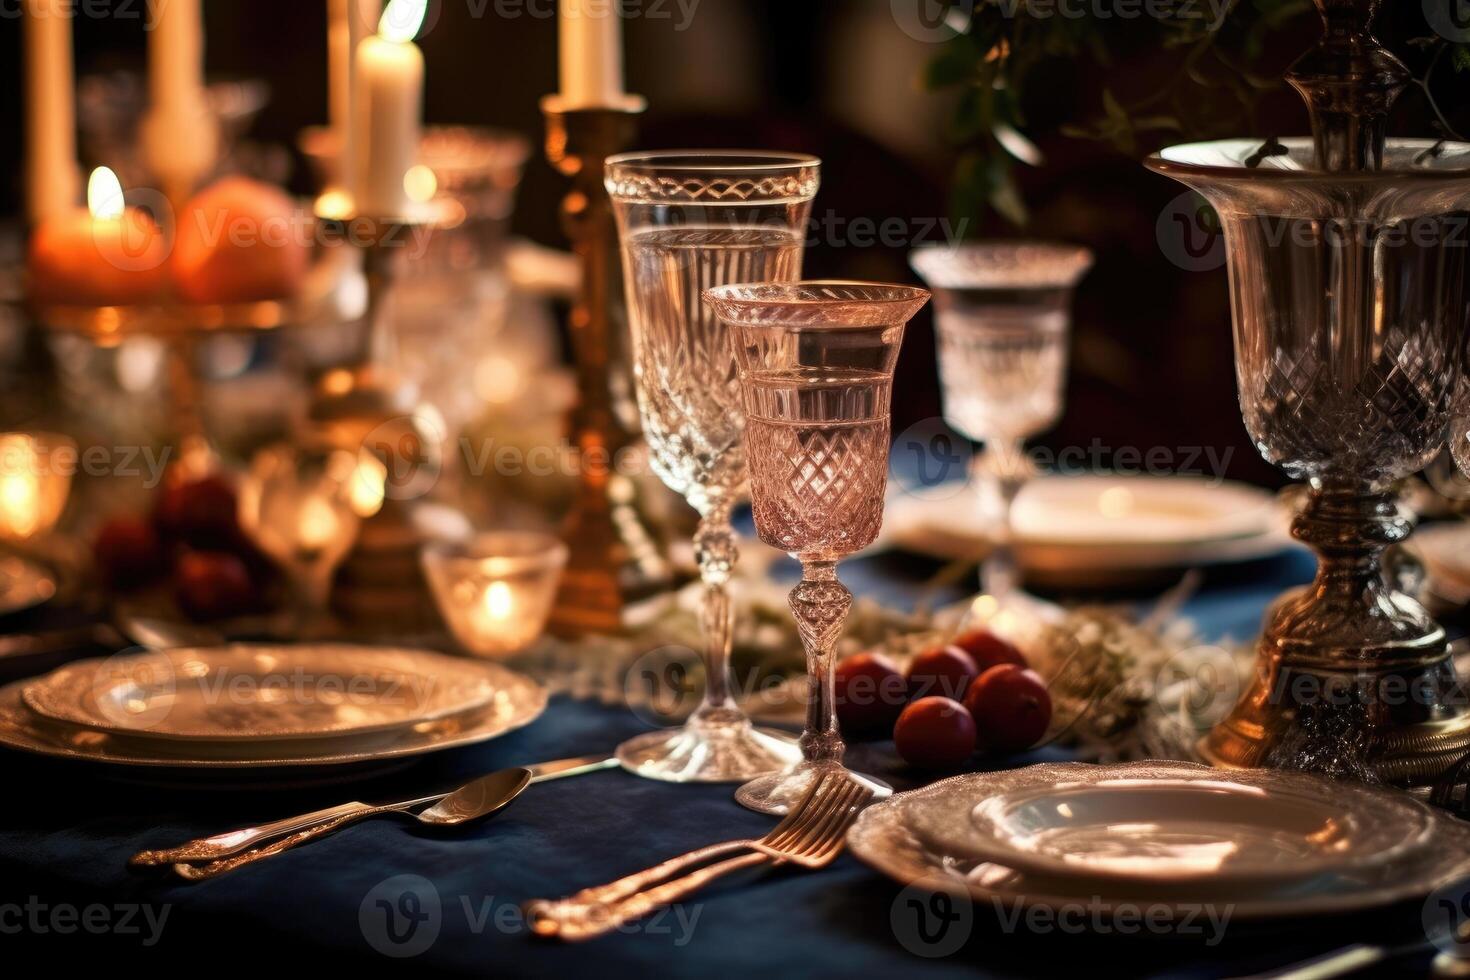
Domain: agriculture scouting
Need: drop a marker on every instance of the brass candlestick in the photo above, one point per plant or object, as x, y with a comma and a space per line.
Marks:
363, 406
613, 559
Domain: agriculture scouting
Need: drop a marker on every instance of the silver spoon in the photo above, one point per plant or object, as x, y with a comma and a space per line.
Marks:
472, 801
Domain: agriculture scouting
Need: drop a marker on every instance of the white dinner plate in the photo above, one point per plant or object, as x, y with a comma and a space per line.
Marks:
249, 693
1445, 550
1079, 528
885, 838
1169, 822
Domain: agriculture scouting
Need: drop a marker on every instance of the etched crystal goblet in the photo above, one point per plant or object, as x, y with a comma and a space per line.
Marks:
689, 220
1002, 313
816, 370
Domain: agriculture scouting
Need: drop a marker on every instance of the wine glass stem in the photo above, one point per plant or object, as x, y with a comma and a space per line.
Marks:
716, 550
1005, 467
820, 604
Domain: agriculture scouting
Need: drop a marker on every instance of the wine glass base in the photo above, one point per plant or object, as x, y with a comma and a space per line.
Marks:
709, 753
777, 792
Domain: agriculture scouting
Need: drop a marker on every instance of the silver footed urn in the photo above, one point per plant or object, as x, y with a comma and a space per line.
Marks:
1347, 257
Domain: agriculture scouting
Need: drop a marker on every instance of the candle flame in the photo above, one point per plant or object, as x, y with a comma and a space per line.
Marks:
498, 602
104, 195
402, 19
420, 184
319, 524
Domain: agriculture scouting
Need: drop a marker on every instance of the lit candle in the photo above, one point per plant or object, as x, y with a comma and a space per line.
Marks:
106, 254
591, 53
495, 592
390, 91
35, 481
348, 22
498, 606
320, 525
179, 132
52, 179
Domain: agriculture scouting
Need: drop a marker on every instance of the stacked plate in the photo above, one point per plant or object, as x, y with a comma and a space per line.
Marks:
1087, 531
1445, 551
248, 705
1173, 835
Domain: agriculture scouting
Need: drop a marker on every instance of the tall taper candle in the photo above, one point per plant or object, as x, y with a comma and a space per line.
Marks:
180, 137
591, 53
390, 91
348, 22
52, 179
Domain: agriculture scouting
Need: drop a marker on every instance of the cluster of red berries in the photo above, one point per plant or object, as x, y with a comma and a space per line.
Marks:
975, 692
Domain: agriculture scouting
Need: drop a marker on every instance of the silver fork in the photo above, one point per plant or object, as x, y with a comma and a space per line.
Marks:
811, 836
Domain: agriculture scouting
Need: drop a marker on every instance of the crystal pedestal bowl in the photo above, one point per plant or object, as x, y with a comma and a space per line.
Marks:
1349, 301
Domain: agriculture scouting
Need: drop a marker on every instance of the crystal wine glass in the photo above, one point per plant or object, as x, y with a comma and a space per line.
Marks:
1002, 314
688, 221
816, 369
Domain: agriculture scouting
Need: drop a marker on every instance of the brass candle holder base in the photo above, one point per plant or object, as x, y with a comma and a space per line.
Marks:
1353, 676
613, 560
364, 406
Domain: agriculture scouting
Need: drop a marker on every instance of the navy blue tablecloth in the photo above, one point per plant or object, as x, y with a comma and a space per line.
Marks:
388, 890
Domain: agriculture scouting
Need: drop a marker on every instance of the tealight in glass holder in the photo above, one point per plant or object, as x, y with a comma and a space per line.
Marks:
35, 481
303, 505
1003, 314
496, 590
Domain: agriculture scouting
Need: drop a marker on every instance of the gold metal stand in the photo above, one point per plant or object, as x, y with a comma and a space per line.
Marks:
613, 560
364, 406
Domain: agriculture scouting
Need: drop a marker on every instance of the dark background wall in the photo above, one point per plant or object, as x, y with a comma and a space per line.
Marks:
1152, 360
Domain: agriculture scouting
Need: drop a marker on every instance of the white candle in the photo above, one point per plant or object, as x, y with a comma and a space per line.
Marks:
52, 178
348, 22
591, 53
179, 133
390, 92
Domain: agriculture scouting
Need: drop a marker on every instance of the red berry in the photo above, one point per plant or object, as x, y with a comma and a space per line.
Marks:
989, 649
1011, 707
871, 692
935, 733
200, 513
212, 585
128, 552
943, 671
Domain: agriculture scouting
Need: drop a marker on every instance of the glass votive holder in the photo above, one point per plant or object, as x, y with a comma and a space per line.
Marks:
35, 480
495, 590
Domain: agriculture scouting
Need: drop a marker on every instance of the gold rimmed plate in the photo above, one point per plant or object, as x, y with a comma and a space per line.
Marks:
1171, 822
517, 703
886, 837
246, 694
